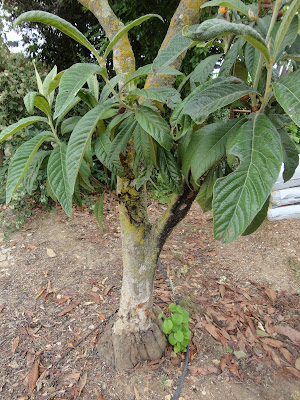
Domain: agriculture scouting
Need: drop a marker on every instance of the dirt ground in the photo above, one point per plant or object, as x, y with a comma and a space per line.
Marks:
60, 277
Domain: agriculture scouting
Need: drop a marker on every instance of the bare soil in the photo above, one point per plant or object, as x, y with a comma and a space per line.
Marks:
60, 277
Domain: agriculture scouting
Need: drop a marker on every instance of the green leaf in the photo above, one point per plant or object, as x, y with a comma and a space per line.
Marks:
205, 195
284, 25
177, 348
52, 74
251, 59
290, 155
69, 124
84, 169
280, 120
167, 326
101, 148
172, 339
21, 162
214, 28
14, 128
71, 82
107, 89
79, 140
207, 146
169, 96
142, 146
239, 196
58, 177
76, 195
98, 210
33, 170
85, 183
261, 333
287, 92
237, 5
87, 97
93, 85
179, 336
126, 28
119, 144
155, 125
169, 170
55, 82
59, 23
67, 109
201, 104
204, 69
38, 80
289, 37
258, 219
177, 319
230, 58
178, 44
34, 99
173, 307
50, 191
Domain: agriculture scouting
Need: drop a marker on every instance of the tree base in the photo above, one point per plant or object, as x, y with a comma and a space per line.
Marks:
123, 352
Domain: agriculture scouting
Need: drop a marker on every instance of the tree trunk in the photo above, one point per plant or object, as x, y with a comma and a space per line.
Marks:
135, 335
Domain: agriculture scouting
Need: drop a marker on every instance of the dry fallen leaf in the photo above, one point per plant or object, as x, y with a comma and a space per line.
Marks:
272, 342
223, 363
95, 297
222, 290
15, 344
107, 290
297, 363
295, 372
69, 308
99, 396
136, 393
40, 293
31, 247
291, 333
1, 307
82, 383
33, 377
101, 316
233, 368
213, 331
50, 253
286, 354
271, 294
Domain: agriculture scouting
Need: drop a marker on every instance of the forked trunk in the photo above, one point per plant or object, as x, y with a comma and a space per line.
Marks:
135, 335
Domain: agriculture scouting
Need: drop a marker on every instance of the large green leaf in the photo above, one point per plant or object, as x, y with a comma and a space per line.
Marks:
258, 219
33, 170
55, 82
169, 170
71, 82
230, 58
289, 14
69, 124
119, 144
204, 69
239, 196
205, 195
167, 95
203, 102
87, 97
102, 146
178, 44
58, 177
14, 128
141, 145
155, 125
59, 23
34, 99
79, 140
127, 28
107, 89
251, 59
290, 36
214, 28
287, 92
49, 78
66, 110
21, 162
232, 4
290, 155
207, 146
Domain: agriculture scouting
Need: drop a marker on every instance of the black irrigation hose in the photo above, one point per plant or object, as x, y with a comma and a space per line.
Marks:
186, 360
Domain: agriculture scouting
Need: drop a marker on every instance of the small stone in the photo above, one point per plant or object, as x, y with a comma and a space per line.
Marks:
240, 354
297, 363
169, 382
104, 386
168, 397
95, 289
50, 253
91, 327
203, 393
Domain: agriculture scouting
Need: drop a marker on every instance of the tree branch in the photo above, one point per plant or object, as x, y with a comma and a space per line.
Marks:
176, 211
187, 13
123, 57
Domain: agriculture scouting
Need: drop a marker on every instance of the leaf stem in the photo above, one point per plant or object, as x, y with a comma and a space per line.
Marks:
53, 130
116, 95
